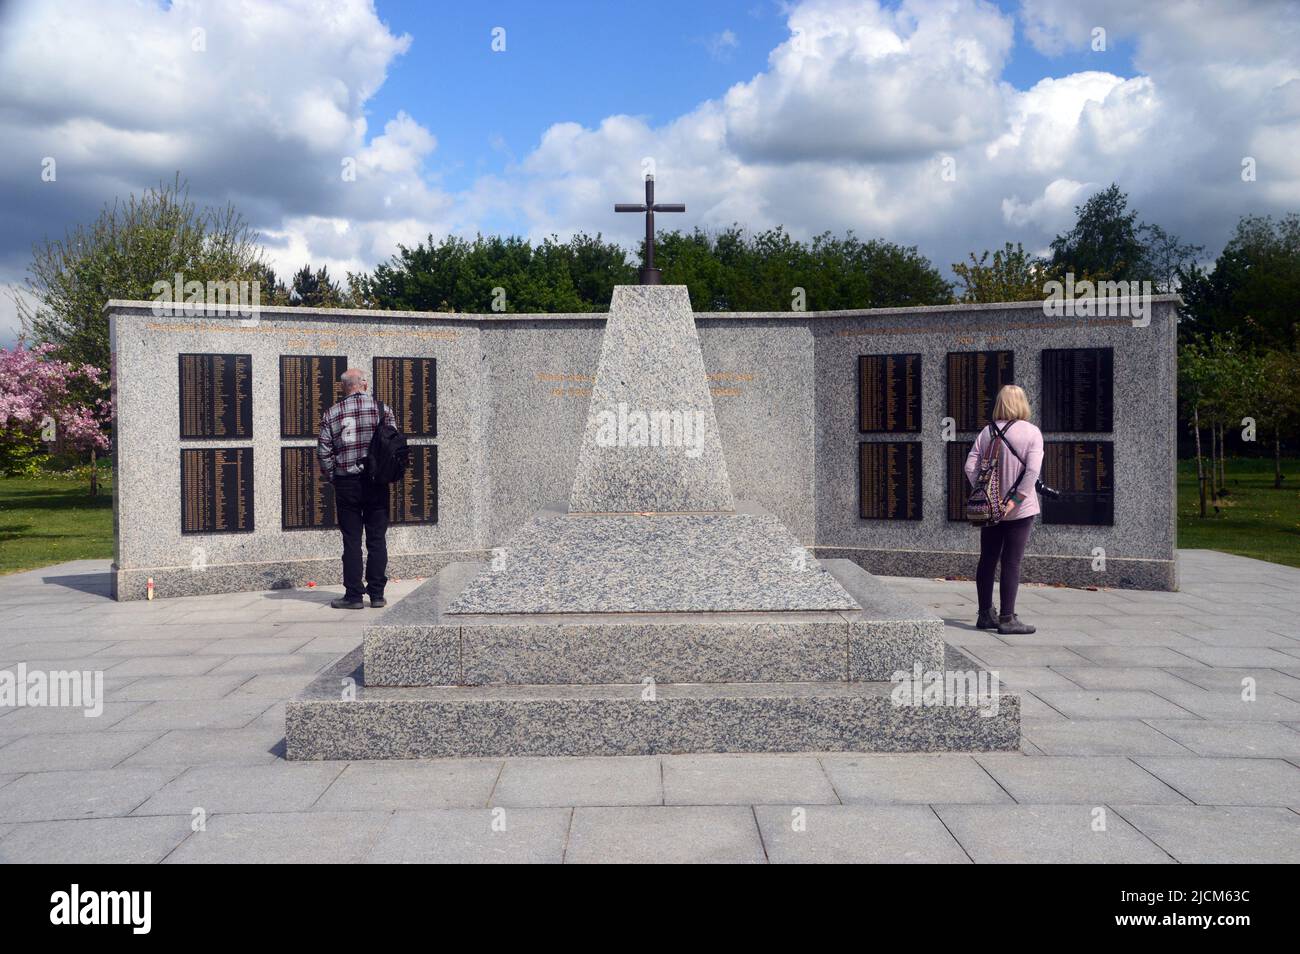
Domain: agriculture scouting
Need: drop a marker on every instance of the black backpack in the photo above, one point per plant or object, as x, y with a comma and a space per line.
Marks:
388, 455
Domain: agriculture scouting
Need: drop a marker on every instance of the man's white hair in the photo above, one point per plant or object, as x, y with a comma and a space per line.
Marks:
353, 379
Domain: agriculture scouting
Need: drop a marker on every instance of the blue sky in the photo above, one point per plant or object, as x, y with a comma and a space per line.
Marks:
582, 61
816, 115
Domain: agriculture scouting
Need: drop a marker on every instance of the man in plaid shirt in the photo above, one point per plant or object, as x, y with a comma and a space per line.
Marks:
345, 432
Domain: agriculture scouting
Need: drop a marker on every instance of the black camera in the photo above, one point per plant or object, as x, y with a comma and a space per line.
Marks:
1051, 493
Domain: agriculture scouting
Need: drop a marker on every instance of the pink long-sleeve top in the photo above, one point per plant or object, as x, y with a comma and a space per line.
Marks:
1028, 441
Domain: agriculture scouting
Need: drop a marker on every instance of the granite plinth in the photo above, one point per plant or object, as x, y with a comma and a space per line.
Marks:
1054, 569
651, 440
418, 643
636, 563
455, 721
206, 580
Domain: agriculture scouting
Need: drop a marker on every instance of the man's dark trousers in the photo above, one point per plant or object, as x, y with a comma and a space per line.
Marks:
362, 505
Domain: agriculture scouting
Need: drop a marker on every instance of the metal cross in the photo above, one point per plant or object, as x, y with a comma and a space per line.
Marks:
649, 274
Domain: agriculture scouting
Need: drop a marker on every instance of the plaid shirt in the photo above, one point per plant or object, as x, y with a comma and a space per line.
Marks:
345, 432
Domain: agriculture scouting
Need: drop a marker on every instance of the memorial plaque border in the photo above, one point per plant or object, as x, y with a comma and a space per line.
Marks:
374, 377
329, 506
341, 366
1107, 403
180, 396
437, 488
919, 483
209, 453
920, 394
1048, 505
947, 391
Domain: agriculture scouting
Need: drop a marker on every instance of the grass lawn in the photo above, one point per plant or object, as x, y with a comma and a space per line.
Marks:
52, 518
1254, 520
49, 519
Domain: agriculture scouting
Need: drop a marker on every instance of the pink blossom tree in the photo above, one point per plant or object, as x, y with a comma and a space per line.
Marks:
44, 399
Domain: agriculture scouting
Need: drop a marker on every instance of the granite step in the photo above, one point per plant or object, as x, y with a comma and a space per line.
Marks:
419, 643
340, 717
560, 562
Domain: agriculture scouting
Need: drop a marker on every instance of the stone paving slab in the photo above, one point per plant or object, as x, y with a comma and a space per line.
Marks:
745, 780
857, 834
321, 838
1105, 737
42, 796
668, 834
1056, 834
1238, 739
1200, 835
94, 841
549, 782
362, 786
275, 787
921, 779
1084, 780
1227, 781
474, 836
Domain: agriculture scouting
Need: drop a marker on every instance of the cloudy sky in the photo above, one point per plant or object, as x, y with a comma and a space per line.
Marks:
824, 114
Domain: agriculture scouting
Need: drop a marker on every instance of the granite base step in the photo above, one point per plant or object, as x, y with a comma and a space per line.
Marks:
418, 642
340, 717
560, 562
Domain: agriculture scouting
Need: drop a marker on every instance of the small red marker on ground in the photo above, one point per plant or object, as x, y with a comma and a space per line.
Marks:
311, 584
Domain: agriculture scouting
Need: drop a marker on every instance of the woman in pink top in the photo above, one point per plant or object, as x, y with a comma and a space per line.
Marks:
1004, 542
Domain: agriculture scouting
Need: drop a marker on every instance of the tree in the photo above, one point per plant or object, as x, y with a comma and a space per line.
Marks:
733, 270
1167, 258
1275, 381
43, 399
1014, 275
491, 273
315, 289
132, 245
1105, 242
1253, 288
1108, 243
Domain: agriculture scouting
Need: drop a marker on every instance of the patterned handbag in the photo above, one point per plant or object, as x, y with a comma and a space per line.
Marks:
986, 506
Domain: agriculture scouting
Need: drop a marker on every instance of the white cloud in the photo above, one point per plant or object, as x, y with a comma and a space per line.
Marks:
847, 127
264, 114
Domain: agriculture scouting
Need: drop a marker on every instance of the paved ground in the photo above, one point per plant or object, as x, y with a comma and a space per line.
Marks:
1138, 746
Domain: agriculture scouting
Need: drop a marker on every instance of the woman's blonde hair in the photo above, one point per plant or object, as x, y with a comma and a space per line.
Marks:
1012, 404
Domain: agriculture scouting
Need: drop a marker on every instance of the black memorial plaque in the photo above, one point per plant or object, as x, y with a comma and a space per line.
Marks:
958, 486
216, 490
1078, 393
889, 393
414, 499
309, 384
889, 480
216, 396
974, 378
410, 387
306, 498
1083, 472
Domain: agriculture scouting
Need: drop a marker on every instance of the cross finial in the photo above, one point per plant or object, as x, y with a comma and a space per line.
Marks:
649, 274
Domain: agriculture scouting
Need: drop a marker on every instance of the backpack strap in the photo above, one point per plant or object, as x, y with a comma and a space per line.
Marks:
1024, 466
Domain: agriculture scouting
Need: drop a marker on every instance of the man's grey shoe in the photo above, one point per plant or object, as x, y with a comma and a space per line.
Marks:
988, 619
1011, 626
345, 603
378, 602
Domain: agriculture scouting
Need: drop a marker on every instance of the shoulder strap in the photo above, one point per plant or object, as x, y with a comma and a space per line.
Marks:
1024, 466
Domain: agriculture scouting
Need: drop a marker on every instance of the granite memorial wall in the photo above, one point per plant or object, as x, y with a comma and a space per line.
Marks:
850, 426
